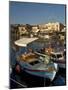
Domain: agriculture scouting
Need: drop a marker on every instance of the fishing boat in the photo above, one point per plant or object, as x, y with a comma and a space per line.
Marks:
55, 56
58, 57
35, 63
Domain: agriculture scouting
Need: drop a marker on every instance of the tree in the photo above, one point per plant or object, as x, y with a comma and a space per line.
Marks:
28, 27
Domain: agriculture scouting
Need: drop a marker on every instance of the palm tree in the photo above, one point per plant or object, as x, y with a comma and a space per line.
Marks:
28, 28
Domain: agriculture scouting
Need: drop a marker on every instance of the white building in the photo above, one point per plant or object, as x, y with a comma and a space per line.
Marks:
51, 27
35, 29
22, 30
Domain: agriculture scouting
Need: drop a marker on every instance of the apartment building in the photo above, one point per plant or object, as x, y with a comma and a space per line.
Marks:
22, 29
51, 27
35, 29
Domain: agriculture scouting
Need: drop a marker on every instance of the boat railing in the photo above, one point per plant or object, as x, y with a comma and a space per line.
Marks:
44, 57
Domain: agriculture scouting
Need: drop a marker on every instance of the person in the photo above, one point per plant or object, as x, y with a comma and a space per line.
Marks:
42, 50
49, 50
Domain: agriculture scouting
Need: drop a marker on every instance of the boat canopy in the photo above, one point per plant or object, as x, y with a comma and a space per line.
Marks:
23, 42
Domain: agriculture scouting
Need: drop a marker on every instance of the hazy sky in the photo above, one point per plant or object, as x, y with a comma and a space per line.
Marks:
35, 13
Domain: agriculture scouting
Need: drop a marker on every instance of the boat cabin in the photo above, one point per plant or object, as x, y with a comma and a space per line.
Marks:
57, 56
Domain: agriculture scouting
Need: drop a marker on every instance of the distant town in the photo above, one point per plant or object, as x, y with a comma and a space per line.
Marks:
44, 31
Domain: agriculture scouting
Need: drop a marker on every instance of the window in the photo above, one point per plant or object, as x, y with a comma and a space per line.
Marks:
53, 56
59, 56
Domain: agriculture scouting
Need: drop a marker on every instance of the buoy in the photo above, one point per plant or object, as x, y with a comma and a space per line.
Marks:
18, 69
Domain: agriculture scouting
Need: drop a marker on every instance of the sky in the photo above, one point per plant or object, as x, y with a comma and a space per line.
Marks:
35, 13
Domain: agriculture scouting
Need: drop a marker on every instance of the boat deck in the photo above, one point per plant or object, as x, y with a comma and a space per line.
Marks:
30, 57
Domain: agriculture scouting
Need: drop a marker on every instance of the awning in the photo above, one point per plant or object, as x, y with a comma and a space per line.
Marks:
23, 42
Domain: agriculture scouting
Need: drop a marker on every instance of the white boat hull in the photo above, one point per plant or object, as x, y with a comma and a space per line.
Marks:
50, 75
61, 65
40, 73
